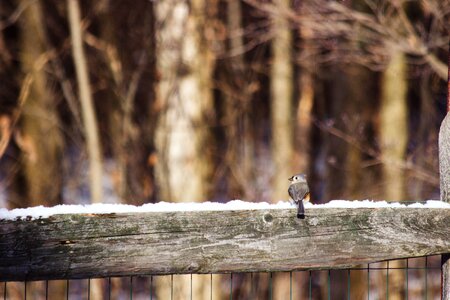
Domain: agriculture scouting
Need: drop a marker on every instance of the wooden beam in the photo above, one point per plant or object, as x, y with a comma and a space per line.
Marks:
86, 246
444, 172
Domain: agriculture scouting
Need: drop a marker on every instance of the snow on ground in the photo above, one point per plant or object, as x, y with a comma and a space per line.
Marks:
44, 212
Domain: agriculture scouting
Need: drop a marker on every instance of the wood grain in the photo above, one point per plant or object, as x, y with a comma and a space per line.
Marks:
85, 246
444, 170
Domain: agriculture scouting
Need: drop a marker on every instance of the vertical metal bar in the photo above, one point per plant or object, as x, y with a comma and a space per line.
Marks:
252, 287
46, 290
270, 285
131, 287
310, 285
4, 292
368, 281
290, 285
348, 284
25, 290
109, 288
387, 280
67, 289
329, 284
426, 278
89, 289
231, 286
191, 286
151, 287
211, 288
171, 287
406, 278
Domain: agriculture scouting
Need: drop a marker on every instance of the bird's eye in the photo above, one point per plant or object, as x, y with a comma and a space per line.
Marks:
295, 177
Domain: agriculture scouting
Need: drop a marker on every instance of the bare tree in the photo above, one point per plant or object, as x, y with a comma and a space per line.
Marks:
39, 137
87, 105
281, 93
306, 100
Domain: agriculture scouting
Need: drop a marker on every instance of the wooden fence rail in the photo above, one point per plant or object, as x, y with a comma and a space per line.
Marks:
101, 245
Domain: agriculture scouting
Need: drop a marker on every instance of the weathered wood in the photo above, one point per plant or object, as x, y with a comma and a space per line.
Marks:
444, 170
85, 246
444, 158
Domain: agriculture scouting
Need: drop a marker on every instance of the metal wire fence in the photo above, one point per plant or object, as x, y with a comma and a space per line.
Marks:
414, 278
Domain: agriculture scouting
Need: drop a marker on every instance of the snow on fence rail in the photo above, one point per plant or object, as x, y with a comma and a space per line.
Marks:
70, 242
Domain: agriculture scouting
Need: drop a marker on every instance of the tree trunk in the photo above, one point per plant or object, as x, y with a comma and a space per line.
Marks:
182, 138
40, 138
306, 99
304, 120
394, 125
394, 138
87, 105
282, 110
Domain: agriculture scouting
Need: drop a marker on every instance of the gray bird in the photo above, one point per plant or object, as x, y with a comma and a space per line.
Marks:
299, 192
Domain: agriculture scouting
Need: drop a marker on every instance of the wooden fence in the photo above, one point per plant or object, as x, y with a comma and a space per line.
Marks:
103, 245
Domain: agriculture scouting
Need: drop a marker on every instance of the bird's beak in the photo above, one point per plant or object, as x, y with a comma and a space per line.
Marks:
290, 179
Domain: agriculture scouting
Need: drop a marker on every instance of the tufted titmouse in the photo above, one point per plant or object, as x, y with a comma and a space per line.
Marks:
299, 192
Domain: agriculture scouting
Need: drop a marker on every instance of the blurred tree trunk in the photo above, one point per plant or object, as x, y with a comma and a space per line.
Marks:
185, 66
394, 125
307, 57
40, 139
394, 138
87, 105
282, 110
304, 119
182, 138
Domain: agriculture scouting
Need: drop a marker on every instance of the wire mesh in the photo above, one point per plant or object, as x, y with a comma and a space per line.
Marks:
413, 278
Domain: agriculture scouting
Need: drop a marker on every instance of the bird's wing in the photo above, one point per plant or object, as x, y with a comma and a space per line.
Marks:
292, 193
301, 190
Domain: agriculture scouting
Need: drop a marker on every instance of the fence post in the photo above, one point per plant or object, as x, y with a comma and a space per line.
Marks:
444, 170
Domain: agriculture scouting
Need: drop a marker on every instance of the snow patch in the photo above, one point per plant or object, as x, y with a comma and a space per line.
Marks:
44, 212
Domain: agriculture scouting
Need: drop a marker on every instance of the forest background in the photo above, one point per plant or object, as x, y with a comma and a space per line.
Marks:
177, 100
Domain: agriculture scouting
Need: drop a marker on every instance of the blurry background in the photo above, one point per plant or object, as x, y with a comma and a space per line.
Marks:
178, 100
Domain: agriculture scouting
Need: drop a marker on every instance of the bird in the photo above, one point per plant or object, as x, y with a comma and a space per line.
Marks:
299, 192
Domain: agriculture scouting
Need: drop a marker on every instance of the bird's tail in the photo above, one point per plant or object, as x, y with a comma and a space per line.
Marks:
301, 210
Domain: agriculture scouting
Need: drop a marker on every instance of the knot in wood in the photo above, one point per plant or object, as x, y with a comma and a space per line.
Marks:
268, 218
